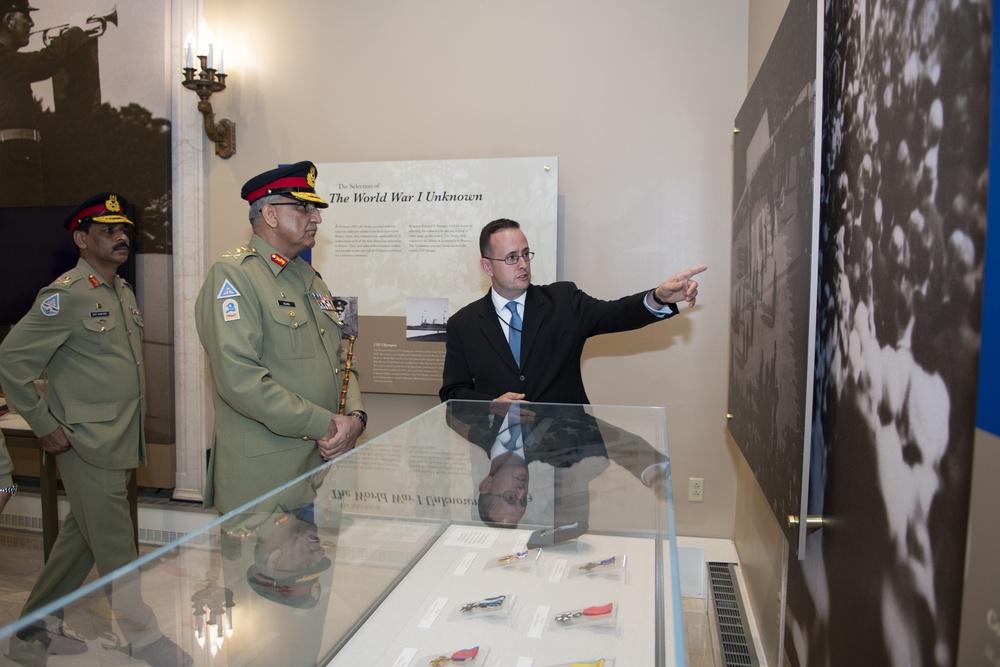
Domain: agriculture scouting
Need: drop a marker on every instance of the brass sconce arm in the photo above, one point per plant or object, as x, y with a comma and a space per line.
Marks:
206, 82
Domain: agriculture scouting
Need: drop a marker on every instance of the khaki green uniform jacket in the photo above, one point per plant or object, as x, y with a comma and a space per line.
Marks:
273, 341
88, 334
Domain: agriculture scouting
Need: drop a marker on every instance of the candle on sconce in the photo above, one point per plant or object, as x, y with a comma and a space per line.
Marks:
222, 60
210, 56
189, 60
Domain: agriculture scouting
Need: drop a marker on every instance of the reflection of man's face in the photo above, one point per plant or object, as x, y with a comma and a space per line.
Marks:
505, 489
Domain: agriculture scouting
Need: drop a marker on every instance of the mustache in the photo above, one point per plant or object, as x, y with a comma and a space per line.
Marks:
120, 245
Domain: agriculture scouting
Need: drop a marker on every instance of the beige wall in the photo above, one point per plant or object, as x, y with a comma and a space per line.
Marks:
764, 18
635, 97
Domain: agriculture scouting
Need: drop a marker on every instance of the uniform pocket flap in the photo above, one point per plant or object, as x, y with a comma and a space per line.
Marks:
91, 412
99, 324
257, 445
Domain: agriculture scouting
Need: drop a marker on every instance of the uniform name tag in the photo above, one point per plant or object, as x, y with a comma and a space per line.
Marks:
99, 313
286, 304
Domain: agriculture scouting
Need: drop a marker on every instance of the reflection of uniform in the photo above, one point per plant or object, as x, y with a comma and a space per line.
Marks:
87, 334
276, 565
273, 340
20, 149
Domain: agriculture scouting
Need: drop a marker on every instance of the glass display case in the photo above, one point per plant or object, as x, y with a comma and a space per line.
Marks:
477, 533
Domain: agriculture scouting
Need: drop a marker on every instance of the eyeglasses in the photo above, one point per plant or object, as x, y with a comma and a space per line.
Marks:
511, 498
303, 207
513, 257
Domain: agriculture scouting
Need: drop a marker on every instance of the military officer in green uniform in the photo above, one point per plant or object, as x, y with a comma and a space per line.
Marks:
273, 337
85, 329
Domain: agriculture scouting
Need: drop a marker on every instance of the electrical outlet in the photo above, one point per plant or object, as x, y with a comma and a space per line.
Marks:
696, 489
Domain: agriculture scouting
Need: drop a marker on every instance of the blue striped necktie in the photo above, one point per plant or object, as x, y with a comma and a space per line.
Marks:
513, 426
514, 339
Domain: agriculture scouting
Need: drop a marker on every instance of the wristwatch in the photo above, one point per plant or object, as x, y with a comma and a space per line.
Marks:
12, 489
658, 300
361, 417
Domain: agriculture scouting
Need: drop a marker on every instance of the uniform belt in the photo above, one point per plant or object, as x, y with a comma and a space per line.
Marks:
29, 135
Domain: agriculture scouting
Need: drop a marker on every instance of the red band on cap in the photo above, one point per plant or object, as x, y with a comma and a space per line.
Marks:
86, 213
289, 183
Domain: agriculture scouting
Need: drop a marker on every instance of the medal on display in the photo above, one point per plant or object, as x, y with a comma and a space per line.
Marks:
485, 603
465, 655
604, 563
507, 560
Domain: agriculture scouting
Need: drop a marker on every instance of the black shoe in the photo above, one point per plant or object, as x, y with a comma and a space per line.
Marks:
29, 654
163, 653
52, 642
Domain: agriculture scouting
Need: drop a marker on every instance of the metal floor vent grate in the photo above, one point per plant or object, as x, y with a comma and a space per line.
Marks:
732, 636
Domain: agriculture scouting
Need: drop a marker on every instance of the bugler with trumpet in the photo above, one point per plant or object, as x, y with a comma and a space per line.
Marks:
94, 26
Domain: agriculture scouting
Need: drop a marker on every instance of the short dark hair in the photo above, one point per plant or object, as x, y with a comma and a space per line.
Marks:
491, 228
487, 501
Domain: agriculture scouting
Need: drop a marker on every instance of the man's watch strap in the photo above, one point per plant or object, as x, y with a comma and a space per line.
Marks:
12, 489
361, 417
658, 300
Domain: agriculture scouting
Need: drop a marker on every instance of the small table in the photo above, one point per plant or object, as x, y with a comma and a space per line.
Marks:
16, 433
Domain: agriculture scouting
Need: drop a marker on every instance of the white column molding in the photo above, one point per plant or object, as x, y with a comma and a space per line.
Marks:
188, 225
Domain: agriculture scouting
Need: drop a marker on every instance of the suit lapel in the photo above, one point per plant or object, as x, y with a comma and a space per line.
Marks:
534, 311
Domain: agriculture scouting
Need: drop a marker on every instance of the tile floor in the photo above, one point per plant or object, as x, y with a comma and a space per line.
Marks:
21, 558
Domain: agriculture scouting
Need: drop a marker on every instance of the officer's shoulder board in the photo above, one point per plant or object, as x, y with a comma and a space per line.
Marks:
65, 280
237, 255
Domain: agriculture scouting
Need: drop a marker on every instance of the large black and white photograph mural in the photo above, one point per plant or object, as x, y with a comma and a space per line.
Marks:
774, 199
85, 107
904, 182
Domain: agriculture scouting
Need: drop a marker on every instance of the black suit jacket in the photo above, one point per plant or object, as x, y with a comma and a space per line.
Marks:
558, 319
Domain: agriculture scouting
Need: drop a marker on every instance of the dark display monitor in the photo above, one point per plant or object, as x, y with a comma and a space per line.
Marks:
35, 249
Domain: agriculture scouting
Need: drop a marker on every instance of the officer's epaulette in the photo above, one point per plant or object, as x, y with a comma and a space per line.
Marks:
237, 254
67, 279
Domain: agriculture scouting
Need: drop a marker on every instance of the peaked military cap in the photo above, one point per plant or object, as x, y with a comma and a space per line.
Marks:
295, 180
288, 560
16, 6
106, 208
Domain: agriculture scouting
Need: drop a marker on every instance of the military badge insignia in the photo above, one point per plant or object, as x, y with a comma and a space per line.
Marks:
230, 310
112, 204
93, 281
311, 177
278, 259
50, 307
227, 291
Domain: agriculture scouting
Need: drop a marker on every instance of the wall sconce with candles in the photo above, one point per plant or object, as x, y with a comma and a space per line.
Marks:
210, 80
213, 615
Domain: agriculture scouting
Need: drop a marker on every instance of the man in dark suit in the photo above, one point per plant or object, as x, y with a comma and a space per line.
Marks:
575, 443
547, 324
